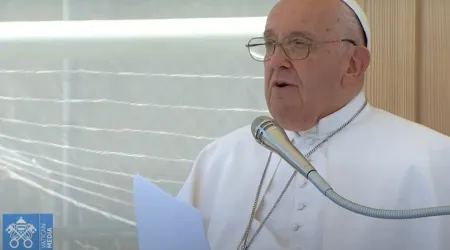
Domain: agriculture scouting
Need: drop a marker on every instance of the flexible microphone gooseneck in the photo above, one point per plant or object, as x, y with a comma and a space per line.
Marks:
270, 135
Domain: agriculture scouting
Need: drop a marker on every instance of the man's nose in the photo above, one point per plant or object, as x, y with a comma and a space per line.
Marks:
279, 58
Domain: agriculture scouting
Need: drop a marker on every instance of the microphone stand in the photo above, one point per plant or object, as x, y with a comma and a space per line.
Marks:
267, 133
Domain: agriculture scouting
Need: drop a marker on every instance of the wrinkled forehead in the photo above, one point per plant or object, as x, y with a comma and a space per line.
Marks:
316, 19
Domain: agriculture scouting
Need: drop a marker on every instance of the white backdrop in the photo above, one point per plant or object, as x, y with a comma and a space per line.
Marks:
79, 119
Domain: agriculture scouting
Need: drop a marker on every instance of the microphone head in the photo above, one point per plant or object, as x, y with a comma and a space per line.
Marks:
260, 125
272, 136
268, 132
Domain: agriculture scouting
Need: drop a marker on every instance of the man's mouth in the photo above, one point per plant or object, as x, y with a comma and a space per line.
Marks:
282, 84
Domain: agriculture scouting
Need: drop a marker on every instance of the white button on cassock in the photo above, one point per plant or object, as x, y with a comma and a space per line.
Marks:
301, 206
303, 183
295, 227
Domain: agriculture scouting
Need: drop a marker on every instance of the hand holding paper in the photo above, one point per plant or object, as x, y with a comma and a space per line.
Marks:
165, 223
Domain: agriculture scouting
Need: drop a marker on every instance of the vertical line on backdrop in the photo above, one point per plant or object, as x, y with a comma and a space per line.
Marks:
66, 95
418, 66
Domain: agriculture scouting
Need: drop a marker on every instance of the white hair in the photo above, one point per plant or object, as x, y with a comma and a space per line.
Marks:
349, 25
350, 28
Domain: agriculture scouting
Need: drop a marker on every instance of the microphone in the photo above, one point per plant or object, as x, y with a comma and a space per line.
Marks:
269, 134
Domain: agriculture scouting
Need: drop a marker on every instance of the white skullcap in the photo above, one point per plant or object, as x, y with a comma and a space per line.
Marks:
362, 19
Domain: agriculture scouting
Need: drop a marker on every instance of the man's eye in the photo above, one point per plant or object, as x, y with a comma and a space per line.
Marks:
299, 42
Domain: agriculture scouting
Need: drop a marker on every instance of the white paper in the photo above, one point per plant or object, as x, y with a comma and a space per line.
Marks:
165, 223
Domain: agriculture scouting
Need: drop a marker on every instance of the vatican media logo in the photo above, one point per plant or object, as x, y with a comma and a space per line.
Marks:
27, 231
21, 231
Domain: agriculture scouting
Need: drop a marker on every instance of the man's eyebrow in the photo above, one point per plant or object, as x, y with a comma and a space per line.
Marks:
303, 34
268, 32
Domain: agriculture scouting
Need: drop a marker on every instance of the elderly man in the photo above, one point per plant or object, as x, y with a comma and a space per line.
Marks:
315, 54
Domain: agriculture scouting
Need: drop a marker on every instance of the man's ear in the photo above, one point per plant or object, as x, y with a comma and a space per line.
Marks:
358, 63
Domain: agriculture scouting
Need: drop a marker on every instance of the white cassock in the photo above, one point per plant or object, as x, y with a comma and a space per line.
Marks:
379, 160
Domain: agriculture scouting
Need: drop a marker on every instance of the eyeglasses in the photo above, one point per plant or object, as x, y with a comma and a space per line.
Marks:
261, 48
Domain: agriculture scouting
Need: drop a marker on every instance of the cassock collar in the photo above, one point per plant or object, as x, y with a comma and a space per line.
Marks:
332, 122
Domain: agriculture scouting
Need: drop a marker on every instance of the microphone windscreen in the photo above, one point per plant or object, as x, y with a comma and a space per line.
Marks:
259, 124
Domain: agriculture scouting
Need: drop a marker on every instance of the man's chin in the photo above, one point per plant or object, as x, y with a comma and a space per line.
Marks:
284, 120
291, 120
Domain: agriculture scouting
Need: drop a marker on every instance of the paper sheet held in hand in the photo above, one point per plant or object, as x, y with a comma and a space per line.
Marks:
165, 223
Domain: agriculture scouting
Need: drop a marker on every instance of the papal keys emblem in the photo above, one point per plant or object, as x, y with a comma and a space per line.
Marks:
21, 231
